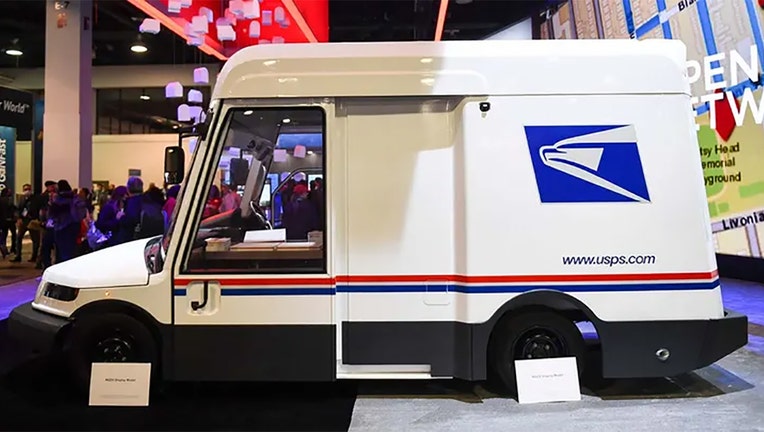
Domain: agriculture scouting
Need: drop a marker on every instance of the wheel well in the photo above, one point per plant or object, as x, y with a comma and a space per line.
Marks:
118, 306
542, 300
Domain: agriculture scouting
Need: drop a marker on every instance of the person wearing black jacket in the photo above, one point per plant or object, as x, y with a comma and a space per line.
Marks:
67, 212
29, 210
7, 221
47, 242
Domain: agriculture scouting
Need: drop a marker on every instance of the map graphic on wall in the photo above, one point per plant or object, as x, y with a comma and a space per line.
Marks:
732, 152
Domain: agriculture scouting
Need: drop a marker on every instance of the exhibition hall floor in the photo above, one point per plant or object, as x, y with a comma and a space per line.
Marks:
728, 395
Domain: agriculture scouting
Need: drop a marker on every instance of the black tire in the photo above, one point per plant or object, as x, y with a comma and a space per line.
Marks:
108, 337
513, 339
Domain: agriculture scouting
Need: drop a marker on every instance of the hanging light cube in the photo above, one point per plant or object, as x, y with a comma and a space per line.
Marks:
185, 3
195, 112
263, 41
195, 40
254, 29
278, 14
173, 90
199, 24
195, 96
174, 6
230, 16
299, 151
251, 9
237, 7
150, 25
207, 12
226, 33
267, 17
184, 113
278, 40
201, 76
279, 155
284, 24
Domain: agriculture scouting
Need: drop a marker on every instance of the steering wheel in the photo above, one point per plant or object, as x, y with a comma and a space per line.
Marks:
260, 214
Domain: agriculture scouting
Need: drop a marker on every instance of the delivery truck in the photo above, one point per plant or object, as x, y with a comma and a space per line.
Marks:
433, 210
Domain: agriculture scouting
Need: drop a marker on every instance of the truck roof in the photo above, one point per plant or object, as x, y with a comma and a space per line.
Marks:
455, 68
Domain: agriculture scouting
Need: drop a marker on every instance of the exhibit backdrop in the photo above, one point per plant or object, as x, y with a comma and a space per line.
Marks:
725, 49
7, 157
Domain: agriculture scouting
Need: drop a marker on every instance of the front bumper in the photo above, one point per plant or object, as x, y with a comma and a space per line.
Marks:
35, 332
630, 349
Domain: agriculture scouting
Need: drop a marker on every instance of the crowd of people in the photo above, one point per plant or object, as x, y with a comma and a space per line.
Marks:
60, 219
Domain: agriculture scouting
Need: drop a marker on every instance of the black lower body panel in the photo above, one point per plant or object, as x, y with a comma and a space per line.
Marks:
36, 332
254, 353
630, 349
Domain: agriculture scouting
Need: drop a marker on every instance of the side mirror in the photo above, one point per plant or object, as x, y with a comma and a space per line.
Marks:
174, 164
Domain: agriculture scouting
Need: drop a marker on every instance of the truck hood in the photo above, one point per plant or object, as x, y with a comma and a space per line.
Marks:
116, 266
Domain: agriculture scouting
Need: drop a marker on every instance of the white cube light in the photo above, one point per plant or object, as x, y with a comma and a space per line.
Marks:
174, 90
150, 25
185, 3
278, 40
195, 112
195, 40
201, 75
279, 14
230, 16
263, 41
207, 12
251, 9
254, 29
284, 24
199, 24
195, 96
299, 151
184, 113
226, 33
267, 17
174, 6
237, 7
279, 155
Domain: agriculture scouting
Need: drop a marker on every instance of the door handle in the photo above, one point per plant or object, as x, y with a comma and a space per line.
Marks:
195, 305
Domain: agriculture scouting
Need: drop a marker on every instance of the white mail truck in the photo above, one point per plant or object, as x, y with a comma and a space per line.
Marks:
415, 210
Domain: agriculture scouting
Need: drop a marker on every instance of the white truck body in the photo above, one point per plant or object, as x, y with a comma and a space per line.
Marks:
464, 181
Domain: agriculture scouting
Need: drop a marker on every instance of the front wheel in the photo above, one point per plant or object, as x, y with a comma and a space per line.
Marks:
108, 338
532, 335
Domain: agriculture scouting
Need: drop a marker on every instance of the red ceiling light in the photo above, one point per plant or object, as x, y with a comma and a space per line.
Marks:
298, 21
441, 20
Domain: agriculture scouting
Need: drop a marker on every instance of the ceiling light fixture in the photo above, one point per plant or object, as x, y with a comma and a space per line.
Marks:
145, 97
248, 112
286, 120
139, 47
14, 50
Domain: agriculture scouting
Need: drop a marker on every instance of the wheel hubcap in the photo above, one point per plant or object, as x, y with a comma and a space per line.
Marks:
113, 349
539, 343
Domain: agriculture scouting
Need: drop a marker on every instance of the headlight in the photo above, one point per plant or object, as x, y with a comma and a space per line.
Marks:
60, 292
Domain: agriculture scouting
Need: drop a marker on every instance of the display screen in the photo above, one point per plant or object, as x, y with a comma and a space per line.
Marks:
734, 180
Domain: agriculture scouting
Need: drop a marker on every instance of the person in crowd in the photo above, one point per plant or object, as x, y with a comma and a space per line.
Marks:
108, 222
230, 200
85, 196
316, 196
213, 203
29, 221
7, 222
300, 215
172, 197
67, 212
44, 258
140, 218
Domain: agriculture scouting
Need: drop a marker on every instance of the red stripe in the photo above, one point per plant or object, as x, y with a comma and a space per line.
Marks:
329, 281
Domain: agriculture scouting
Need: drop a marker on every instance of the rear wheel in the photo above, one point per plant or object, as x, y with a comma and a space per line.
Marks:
532, 335
108, 338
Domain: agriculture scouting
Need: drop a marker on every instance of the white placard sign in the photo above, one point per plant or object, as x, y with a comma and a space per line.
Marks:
547, 380
120, 384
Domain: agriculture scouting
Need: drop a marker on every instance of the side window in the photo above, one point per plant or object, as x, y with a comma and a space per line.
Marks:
265, 210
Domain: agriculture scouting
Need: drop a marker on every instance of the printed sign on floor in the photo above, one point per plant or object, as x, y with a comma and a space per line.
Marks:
547, 380
120, 384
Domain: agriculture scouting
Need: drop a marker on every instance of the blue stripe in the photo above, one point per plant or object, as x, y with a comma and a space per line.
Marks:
629, 17
666, 26
753, 16
464, 289
708, 34
648, 26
